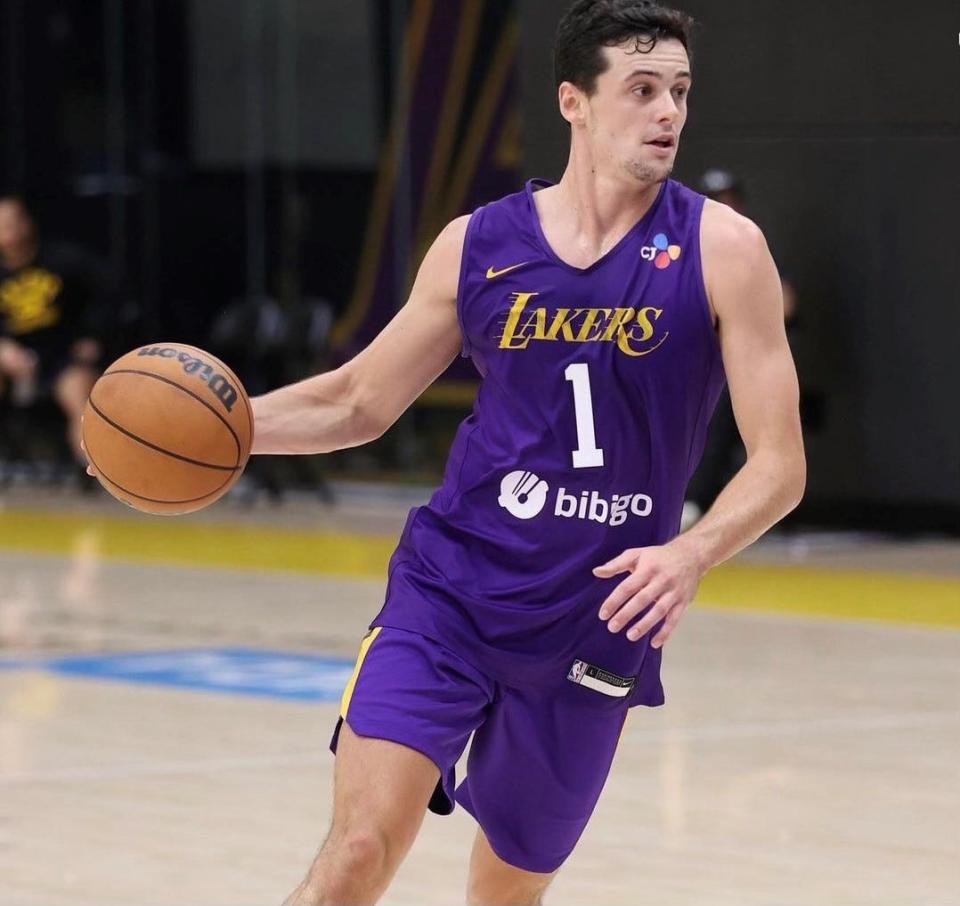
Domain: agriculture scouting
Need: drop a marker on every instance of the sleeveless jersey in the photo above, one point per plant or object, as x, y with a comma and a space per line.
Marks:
597, 387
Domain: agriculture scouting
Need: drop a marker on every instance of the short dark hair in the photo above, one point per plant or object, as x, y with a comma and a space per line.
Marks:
590, 25
17, 198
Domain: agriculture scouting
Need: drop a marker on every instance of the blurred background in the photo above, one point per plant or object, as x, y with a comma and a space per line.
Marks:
262, 178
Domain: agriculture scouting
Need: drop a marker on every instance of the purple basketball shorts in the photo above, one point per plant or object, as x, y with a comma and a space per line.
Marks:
539, 758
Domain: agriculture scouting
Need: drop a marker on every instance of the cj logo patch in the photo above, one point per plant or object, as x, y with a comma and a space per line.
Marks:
523, 494
661, 253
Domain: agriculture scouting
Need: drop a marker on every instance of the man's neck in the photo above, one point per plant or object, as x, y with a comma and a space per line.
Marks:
17, 258
601, 206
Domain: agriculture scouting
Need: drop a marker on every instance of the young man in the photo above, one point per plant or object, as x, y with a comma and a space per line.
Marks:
528, 602
44, 300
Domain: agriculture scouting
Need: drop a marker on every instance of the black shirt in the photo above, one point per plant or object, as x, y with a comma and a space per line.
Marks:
47, 304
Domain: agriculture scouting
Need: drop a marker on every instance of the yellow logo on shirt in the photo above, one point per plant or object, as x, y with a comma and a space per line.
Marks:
634, 330
28, 300
491, 273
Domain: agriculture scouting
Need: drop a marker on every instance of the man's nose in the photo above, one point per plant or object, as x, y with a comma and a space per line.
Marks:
669, 111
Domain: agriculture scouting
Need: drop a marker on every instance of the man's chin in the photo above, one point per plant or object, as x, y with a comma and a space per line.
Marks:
649, 173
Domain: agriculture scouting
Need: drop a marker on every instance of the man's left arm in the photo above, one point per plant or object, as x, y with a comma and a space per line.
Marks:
747, 300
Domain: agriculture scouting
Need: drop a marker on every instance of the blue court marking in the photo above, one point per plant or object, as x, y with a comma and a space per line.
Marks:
238, 671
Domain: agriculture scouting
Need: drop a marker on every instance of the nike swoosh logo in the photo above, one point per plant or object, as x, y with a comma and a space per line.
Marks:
491, 273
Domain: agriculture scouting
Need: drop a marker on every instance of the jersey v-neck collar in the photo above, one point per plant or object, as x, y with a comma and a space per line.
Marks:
638, 227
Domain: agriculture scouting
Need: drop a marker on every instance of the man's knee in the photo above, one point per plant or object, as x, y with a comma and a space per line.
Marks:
359, 850
353, 864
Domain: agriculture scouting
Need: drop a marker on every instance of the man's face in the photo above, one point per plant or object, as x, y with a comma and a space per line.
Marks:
639, 107
16, 228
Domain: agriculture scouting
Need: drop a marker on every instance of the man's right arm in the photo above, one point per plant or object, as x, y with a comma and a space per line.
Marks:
359, 401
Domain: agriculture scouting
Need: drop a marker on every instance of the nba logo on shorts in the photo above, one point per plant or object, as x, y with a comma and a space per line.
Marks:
577, 671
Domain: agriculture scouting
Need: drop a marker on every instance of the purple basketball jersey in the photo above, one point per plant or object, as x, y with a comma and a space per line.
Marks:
598, 386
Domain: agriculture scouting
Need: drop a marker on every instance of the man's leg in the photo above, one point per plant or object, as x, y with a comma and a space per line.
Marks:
71, 389
493, 882
381, 791
532, 786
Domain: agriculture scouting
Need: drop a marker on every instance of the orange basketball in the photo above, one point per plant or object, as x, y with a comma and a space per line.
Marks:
168, 428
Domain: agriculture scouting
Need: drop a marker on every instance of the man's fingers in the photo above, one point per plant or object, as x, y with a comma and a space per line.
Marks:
90, 469
654, 615
668, 626
638, 603
627, 560
621, 594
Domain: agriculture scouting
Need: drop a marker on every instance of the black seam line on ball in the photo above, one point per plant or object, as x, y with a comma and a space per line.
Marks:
146, 443
189, 392
103, 474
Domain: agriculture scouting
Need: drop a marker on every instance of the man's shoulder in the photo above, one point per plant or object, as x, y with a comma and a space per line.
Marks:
728, 235
448, 246
497, 218
455, 230
735, 258
507, 210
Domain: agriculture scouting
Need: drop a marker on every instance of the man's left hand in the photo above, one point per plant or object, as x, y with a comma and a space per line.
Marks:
663, 579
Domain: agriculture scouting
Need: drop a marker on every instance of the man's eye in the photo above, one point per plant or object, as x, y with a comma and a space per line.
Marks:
680, 92
642, 90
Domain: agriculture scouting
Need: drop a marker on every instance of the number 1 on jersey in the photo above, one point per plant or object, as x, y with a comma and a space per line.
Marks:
587, 453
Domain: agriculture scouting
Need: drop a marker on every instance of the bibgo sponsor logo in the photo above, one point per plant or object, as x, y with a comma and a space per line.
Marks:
525, 495
591, 506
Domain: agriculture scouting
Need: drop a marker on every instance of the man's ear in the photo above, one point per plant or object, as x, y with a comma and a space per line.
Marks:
572, 102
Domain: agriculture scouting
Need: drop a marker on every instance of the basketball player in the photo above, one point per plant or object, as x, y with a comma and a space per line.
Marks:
528, 602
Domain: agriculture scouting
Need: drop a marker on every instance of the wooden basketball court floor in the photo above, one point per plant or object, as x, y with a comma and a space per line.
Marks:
168, 687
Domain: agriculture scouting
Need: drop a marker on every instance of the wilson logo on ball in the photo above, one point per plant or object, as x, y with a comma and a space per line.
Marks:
222, 389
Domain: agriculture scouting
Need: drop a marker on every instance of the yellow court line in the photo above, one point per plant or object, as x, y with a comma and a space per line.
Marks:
180, 541
844, 593
851, 594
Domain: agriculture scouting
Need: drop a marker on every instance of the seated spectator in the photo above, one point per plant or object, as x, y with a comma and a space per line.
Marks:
46, 346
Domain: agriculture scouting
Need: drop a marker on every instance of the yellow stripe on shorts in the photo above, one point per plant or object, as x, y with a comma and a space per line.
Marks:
364, 648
